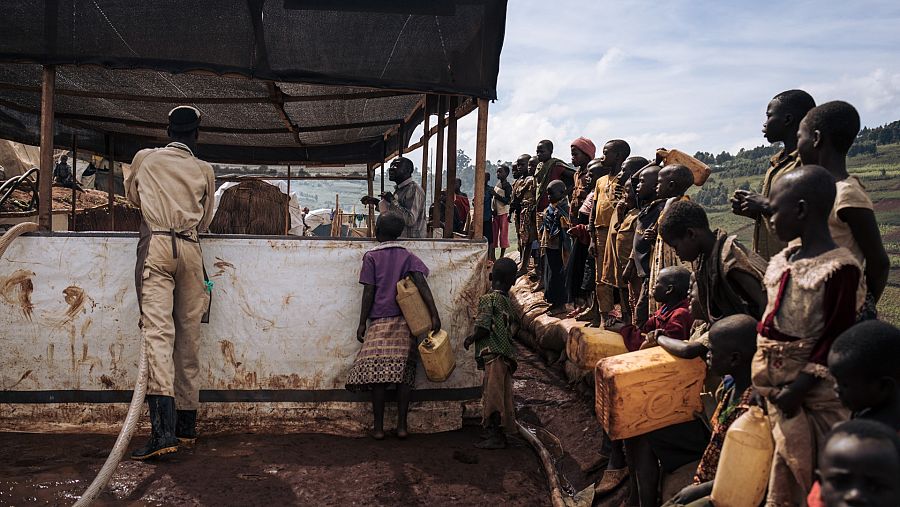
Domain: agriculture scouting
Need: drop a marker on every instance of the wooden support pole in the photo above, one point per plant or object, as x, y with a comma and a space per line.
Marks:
480, 158
425, 147
450, 193
438, 163
45, 175
74, 179
383, 161
110, 180
370, 170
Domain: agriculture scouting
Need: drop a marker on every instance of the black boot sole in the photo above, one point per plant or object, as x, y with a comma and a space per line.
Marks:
159, 452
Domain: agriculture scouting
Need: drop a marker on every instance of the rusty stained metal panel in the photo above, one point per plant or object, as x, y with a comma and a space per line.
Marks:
284, 313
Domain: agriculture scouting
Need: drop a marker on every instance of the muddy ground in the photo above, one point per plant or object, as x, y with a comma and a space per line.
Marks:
303, 469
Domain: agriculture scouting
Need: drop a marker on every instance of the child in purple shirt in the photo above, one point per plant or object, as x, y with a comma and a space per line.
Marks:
387, 357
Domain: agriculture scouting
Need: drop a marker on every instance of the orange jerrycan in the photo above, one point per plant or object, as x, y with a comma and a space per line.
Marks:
587, 345
745, 463
413, 307
437, 356
645, 390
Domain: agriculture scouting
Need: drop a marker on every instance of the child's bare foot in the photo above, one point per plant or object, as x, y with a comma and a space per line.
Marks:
377, 434
402, 433
556, 310
587, 316
495, 441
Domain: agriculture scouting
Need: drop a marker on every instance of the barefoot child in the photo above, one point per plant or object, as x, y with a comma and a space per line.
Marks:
387, 357
728, 276
860, 466
606, 194
732, 344
583, 152
555, 247
495, 354
813, 296
826, 135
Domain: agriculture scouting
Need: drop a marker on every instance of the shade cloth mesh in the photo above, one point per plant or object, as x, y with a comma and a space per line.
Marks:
372, 61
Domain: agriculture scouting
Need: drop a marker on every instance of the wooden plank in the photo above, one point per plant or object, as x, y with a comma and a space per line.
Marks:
45, 181
480, 159
450, 193
438, 162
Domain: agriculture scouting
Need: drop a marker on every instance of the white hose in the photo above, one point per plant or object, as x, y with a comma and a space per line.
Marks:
121, 445
14, 232
134, 410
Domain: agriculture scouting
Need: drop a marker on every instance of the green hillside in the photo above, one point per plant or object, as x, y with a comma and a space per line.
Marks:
879, 171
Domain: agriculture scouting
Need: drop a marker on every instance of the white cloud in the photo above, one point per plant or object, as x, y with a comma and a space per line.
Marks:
695, 75
611, 57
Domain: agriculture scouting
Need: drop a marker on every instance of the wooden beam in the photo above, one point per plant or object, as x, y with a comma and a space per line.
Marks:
45, 178
438, 162
467, 107
376, 94
74, 179
111, 181
480, 158
450, 193
426, 121
370, 180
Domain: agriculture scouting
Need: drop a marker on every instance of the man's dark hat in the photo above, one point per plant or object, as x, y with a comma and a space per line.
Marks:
184, 119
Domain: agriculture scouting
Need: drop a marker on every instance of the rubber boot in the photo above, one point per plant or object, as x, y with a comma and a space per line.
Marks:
186, 427
162, 429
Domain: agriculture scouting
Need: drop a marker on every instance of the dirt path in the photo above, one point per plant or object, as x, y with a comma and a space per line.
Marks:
248, 469
440, 469
575, 438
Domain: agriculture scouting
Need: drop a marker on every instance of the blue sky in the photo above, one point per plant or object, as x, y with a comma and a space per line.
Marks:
692, 75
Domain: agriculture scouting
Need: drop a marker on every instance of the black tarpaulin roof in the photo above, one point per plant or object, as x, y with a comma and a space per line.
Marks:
328, 80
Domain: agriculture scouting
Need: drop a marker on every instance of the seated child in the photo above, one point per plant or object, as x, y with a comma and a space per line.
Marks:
732, 344
865, 363
674, 180
860, 465
495, 354
826, 134
813, 296
673, 319
728, 275
644, 238
555, 247
387, 358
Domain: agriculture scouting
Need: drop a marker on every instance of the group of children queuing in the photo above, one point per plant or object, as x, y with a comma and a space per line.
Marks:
622, 230
788, 324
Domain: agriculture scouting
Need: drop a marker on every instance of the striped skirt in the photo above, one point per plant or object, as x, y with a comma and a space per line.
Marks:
387, 356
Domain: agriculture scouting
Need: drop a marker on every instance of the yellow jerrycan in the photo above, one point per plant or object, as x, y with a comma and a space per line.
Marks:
437, 356
745, 463
413, 307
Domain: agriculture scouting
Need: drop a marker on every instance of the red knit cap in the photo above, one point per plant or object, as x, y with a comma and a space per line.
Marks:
586, 145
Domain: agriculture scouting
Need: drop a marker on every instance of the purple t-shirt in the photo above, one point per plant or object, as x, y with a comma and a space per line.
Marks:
383, 267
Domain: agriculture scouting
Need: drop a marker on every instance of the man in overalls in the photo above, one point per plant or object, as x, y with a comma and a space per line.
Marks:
175, 191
